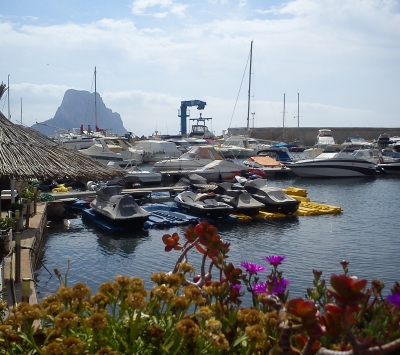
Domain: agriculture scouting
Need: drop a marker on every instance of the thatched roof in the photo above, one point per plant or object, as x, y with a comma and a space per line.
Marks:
27, 154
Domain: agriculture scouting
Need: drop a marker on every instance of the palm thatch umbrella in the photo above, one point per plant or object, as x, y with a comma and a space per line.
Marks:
27, 154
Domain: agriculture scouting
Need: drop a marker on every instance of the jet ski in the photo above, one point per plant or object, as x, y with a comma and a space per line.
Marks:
239, 199
118, 209
203, 204
274, 199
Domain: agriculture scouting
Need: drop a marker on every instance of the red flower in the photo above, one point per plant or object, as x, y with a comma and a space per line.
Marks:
171, 242
347, 290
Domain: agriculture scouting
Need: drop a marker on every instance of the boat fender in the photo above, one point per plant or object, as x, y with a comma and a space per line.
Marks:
381, 159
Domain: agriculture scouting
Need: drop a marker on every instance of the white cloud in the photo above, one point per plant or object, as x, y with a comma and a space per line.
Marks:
146, 7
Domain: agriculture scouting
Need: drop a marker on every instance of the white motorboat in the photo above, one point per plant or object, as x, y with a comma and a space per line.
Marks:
195, 158
361, 162
156, 150
114, 149
324, 138
392, 168
74, 140
239, 146
225, 170
135, 175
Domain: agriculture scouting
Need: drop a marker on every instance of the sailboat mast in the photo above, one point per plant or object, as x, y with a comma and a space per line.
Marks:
283, 119
95, 97
248, 99
298, 112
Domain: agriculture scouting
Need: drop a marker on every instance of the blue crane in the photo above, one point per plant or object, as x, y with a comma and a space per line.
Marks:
183, 112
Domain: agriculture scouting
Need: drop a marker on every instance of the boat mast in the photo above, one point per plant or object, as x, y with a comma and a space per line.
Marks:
95, 98
248, 99
283, 119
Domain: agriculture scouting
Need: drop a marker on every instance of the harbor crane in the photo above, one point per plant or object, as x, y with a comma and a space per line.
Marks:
183, 112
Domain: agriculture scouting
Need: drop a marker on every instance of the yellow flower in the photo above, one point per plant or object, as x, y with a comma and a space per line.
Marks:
255, 332
100, 300
107, 288
154, 331
187, 327
216, 288
105, 351
80, 291
96, 321
180, 302
249, 316
205, 312
51, 349
217, 340
54, 308
213, 325
174, 280
66, 319
48, 300
159, 278
136, 284
163, 292
65, 293
72, 346
186, 268
194, 294
121, 281
136, 300
29, 312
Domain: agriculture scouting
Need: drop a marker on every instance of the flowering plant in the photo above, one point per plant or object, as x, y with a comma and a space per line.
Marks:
202, 313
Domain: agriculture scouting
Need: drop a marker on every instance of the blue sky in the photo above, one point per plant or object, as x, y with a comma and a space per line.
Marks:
341, 56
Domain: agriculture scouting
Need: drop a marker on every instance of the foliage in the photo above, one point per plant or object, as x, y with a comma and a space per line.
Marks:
202, 313
28, 192
6, 223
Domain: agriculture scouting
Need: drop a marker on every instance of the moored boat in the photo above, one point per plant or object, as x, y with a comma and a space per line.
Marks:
117, 209
203, 204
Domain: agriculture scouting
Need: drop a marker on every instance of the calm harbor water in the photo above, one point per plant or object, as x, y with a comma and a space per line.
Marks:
366, 234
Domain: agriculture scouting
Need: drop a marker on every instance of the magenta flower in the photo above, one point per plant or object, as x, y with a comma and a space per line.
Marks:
252, 268
260, 288
236, 287
275, 260
279, 286
394, 299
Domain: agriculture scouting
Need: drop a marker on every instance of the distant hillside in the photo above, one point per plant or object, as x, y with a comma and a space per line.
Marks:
78, 108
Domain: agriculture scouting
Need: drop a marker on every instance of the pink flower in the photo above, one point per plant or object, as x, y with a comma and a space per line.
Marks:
252, 268
275, 260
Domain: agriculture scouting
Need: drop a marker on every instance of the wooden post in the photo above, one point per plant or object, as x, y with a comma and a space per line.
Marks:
28, 214
35, 200
17, 257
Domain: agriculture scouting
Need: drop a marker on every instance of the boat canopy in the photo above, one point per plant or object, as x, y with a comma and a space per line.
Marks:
264, 161
202, 152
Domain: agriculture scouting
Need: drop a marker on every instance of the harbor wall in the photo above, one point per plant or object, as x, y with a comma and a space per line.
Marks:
308, 135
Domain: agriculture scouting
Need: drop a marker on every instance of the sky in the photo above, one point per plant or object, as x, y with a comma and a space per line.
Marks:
315, 63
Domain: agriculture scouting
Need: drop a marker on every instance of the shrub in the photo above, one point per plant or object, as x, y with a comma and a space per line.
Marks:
195, 313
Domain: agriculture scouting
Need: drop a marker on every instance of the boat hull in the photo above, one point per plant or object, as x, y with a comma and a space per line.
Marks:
390, 168
331, 168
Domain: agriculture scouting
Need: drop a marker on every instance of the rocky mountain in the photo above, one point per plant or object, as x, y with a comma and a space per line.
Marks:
78, 108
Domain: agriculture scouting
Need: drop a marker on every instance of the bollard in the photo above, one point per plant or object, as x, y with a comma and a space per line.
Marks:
17, 257
26, 289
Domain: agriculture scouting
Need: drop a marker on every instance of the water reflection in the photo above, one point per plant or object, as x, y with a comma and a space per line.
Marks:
123, 244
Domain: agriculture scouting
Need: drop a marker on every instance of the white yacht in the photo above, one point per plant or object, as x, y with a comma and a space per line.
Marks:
324, 138
360, 162
114, 149
156, 150
239, 146
196, 157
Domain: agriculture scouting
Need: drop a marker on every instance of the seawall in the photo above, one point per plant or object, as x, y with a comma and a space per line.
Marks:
308, 135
